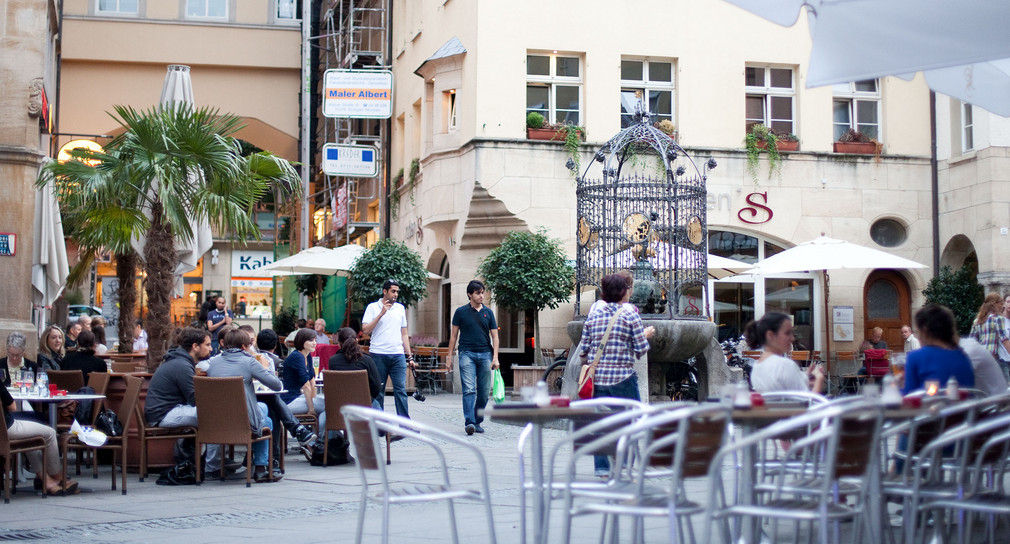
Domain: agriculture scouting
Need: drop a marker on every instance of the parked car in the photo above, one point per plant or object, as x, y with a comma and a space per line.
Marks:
77, 310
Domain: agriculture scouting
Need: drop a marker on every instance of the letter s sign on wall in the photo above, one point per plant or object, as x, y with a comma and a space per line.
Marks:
757, 212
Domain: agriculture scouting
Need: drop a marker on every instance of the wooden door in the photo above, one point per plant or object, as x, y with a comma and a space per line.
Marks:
886, 305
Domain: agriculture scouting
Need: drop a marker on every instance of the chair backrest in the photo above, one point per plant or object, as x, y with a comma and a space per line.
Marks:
856, 430
845, 356
221, 405
99, 381
605, 407
688, 442
123, 367
344, 388
877, 362
801, 357
68, 380
131, 398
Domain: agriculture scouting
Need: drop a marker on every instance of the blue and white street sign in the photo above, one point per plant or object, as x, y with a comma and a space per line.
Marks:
350, 160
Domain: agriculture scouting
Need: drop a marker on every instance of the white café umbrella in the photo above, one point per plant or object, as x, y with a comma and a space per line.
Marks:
50, 266
962, 48
316, 260
177, 90
823, 254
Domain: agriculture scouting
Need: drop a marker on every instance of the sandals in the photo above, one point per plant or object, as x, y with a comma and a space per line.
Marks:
71, 488
56, 490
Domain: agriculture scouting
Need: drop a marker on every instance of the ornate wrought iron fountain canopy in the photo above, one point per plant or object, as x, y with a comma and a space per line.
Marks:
651, 223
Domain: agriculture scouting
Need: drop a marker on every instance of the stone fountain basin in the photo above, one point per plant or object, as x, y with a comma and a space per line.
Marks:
675, 339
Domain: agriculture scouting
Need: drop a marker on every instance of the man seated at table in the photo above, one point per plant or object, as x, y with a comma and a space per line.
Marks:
875, 341
289, 341
15, 361
320, 328
170, 399
236, 359
139, 337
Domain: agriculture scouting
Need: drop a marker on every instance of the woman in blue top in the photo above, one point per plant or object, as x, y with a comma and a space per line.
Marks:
939, 358
299, 378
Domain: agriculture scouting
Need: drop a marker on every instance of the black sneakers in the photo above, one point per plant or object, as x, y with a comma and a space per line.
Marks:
304, 435
470, 428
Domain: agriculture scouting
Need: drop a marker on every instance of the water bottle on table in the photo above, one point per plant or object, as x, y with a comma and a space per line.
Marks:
43, 383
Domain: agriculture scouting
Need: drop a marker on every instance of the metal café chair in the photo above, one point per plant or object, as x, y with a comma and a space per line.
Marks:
364, 425
605, 407
840, 447
681, 442
9, 451
980, 486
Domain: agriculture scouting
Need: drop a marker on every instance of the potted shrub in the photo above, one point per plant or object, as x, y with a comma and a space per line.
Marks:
538, 129
763, 138
856, 142
668, 128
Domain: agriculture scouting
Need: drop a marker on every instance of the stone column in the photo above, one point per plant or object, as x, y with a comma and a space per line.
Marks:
25, 32
996, 280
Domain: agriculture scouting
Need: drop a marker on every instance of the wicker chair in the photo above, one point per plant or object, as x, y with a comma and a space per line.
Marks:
115, 443
344, 388
9, 450
224, 419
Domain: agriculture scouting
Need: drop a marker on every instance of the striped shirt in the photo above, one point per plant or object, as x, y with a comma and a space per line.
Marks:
626, 343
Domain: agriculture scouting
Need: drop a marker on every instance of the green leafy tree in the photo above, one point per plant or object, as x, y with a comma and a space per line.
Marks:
959, 291
170, 169
528, 272
389, 259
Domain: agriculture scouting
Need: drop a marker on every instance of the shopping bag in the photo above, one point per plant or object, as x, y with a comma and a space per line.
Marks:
586, 374
497, 387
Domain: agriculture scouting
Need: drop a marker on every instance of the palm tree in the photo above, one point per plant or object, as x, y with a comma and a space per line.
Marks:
170, 169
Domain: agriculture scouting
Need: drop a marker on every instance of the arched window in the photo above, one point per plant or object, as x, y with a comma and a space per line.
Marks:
882, 300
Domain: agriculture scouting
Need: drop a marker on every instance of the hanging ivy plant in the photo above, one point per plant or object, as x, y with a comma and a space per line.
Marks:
394, 194
415, 169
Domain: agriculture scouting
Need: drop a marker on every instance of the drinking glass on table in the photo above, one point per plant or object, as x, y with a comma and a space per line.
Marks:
28, 379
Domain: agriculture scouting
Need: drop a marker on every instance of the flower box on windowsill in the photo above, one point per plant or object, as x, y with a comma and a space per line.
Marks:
550, 134
856, 148
781, 145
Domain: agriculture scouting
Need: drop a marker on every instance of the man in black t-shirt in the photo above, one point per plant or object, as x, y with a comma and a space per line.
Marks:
475, 326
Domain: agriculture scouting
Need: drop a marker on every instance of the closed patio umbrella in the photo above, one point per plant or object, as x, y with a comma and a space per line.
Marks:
50, 266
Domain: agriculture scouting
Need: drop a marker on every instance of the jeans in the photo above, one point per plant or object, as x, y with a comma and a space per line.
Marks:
625, 389
260, 452
215, 346
301, 406
182, 415
475, 375
1005, 367
395, 368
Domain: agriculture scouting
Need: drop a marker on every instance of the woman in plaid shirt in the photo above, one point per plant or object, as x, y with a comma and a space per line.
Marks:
615, 373
991, 330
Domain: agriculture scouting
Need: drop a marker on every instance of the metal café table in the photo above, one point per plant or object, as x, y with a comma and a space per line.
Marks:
33, 399
537, 417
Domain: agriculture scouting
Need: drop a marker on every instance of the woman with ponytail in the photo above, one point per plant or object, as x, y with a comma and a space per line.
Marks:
350, 357
773, 371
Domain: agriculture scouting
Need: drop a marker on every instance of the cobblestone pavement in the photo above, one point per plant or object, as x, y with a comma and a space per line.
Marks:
314, 502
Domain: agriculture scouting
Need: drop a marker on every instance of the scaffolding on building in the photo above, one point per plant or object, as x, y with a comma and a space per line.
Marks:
353, 37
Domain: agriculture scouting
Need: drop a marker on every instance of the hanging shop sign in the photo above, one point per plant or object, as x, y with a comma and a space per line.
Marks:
365, 94
350, 160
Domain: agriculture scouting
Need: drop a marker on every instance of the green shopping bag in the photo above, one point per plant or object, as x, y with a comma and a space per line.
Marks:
497, 387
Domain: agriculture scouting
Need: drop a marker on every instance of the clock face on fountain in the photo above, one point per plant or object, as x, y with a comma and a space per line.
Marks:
637, 227
694, 230
587, 238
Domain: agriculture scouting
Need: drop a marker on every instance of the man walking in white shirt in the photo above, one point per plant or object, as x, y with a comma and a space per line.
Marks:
386, 321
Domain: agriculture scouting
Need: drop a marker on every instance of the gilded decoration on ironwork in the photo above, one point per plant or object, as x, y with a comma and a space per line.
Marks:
645, 213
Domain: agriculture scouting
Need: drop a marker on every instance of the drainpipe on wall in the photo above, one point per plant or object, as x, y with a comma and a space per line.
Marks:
389, 128
934, 183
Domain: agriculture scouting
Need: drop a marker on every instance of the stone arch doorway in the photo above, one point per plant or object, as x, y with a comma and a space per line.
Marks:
958, 252
886, 304
438, 263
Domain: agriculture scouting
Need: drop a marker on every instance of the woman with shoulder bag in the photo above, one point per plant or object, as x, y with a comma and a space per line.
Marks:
613, 338
991, 330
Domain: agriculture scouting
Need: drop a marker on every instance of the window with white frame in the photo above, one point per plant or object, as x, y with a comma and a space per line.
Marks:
856, 105
449, 110
650, 81
770, 98
212, 9
287, 10
511, 331
118, 6
554, 87
967, 127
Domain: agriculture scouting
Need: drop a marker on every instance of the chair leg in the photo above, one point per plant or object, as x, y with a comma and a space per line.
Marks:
122, 465
388, 440
7, 477
452, 523
361, 514
143, 458
199, 458
113, 470
248, 465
